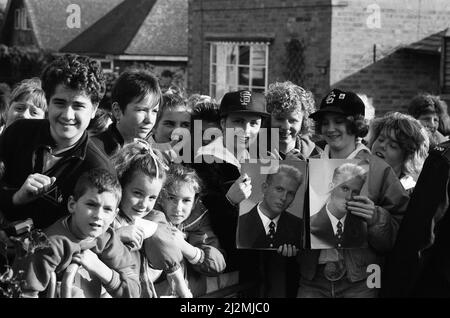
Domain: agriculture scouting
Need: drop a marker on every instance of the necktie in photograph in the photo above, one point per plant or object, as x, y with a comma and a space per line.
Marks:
271, 229
339, 230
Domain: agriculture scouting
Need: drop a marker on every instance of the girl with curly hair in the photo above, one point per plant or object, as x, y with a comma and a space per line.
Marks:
290, 106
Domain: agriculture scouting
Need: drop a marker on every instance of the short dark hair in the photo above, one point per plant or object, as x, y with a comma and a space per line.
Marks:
356, 125
75, 72
100, 179
134, 83
100, 122
423, 104
206, 110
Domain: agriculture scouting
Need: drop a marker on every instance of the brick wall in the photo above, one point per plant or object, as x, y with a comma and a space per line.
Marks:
306, 20
396, 76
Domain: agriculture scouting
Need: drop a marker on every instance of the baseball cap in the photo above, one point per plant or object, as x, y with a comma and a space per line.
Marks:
243, 101
341, 102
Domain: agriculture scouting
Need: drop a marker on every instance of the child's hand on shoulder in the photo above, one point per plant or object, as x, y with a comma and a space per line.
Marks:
131, 234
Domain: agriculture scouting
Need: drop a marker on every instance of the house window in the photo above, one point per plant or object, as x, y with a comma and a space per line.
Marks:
238, 65
107, 65
21, 19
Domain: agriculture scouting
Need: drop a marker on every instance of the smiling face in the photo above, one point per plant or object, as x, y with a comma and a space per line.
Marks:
92, 213
342, 193
246, 127
289, 125
24, 109
387, 148
178, 202
335, 133
279, 193
170, 120
69, 113
138, 118
139, 195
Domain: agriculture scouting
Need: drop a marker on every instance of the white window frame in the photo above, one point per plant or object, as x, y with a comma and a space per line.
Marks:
214, 86
21, 19
107, 70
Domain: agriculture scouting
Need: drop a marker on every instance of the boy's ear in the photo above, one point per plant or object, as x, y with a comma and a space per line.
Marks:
222, 123
95, 106
264, 186
116, 111
71, 204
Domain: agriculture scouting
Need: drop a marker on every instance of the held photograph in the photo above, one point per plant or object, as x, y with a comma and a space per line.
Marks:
334, 183
273, 214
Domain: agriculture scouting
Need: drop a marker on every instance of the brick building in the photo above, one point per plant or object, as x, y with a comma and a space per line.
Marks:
387, 50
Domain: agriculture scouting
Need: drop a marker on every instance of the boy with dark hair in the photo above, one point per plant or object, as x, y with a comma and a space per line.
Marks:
85, 238
206, 112
431, 111
136, 97
43, 158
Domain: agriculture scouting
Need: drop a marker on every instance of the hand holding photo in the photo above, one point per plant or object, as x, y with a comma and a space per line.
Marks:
339, 216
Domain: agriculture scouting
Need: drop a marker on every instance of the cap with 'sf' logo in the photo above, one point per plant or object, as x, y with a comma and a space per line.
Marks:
341, 102
243, 101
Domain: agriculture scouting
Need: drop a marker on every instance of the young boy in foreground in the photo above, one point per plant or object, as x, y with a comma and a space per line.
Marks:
85, 238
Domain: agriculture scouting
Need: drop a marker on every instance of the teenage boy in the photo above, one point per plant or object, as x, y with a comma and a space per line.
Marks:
219, 163
136, 97
43, 158
85, 238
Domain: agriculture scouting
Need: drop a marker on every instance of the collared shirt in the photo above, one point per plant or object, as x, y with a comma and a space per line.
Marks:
266, 221
334, 220
359, 147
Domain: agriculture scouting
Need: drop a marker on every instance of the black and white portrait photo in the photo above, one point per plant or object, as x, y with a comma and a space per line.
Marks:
334, 183
272, 215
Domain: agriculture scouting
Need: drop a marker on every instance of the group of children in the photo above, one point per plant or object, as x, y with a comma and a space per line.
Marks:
146, 211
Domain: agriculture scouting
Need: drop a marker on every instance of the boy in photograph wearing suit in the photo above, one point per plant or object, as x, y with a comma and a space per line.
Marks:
333, 226
268, 224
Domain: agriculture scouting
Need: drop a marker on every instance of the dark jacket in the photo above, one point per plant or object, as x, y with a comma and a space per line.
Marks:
217, 179
110, 141
21, 148
419, 265
251, 232
278, 275
322, 233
